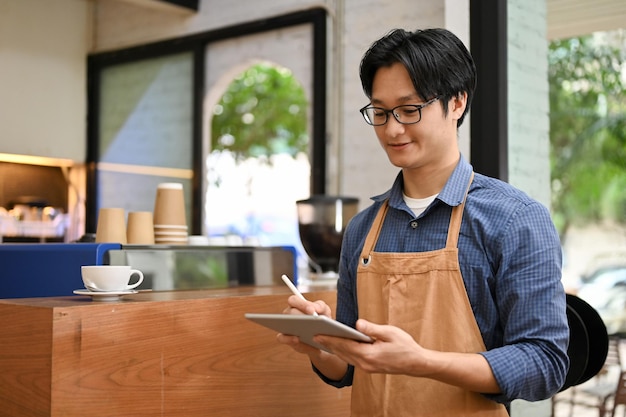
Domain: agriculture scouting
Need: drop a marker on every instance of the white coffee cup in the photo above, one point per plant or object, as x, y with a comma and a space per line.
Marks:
112, 278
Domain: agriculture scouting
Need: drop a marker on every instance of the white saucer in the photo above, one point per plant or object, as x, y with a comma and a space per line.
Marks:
104, 295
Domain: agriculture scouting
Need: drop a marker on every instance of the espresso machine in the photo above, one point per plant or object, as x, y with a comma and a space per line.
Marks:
322, 220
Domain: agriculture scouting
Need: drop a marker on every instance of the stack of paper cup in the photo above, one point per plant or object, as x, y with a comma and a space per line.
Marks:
170, 224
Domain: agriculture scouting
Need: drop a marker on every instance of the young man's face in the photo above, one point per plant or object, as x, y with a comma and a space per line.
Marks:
428, 144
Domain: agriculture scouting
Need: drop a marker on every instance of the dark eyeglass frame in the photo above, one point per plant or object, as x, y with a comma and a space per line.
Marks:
417, 107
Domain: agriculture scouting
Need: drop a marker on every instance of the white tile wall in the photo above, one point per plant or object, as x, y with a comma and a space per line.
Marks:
364, 169
529, 165
529, 140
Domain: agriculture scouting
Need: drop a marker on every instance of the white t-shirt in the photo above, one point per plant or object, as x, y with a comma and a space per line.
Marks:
418, 205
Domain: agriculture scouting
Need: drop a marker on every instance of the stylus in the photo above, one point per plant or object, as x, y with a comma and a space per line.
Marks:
293, 289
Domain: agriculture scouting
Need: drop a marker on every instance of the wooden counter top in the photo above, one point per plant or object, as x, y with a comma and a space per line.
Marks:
144, 296
174, 353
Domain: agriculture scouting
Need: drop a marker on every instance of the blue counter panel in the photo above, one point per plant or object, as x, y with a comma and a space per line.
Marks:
47, 269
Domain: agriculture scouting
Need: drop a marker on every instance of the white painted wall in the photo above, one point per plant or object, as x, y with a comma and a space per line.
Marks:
43, 46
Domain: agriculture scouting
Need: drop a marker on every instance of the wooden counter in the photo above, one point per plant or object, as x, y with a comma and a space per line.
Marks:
179, 353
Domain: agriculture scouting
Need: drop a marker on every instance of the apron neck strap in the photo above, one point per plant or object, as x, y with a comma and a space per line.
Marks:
372, 236
456, 217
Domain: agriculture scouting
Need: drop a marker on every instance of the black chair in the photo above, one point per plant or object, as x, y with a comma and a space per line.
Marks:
599, 390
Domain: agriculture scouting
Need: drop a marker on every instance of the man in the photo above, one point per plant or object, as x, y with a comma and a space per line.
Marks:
455, 275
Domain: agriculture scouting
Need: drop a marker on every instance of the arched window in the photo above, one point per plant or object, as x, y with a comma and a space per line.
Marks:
257, 163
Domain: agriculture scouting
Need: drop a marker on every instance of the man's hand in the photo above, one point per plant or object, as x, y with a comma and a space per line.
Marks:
392, 352
395, 352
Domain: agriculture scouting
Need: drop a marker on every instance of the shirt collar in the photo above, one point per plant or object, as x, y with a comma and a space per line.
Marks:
452, 193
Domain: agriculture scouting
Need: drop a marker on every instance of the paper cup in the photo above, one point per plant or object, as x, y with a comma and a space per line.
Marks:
111, 226
140, 228
169, 205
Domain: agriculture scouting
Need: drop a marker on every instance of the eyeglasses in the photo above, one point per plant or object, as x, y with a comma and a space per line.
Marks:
406, 114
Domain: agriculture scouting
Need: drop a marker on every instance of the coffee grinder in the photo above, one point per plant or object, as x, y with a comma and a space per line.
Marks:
322, 220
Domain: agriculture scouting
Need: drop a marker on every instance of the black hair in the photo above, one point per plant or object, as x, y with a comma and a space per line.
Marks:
437, 61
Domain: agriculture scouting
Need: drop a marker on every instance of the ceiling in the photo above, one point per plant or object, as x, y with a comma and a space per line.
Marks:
568, 18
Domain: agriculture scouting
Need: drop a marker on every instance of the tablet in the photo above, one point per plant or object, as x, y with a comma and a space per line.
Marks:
307, 326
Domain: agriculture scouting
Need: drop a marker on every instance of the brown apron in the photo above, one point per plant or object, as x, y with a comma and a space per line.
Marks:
423, 294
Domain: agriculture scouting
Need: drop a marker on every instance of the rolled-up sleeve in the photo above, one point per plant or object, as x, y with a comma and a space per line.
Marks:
532, 363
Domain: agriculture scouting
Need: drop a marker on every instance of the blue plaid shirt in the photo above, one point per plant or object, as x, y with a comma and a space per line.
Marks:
510, 257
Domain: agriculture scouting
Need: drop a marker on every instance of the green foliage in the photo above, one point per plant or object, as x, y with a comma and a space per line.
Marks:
197, 269
587, 77
263, 112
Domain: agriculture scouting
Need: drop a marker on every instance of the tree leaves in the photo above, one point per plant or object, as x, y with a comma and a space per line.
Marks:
263, 112
587, 77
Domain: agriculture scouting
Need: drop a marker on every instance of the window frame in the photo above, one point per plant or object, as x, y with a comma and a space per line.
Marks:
197, 44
